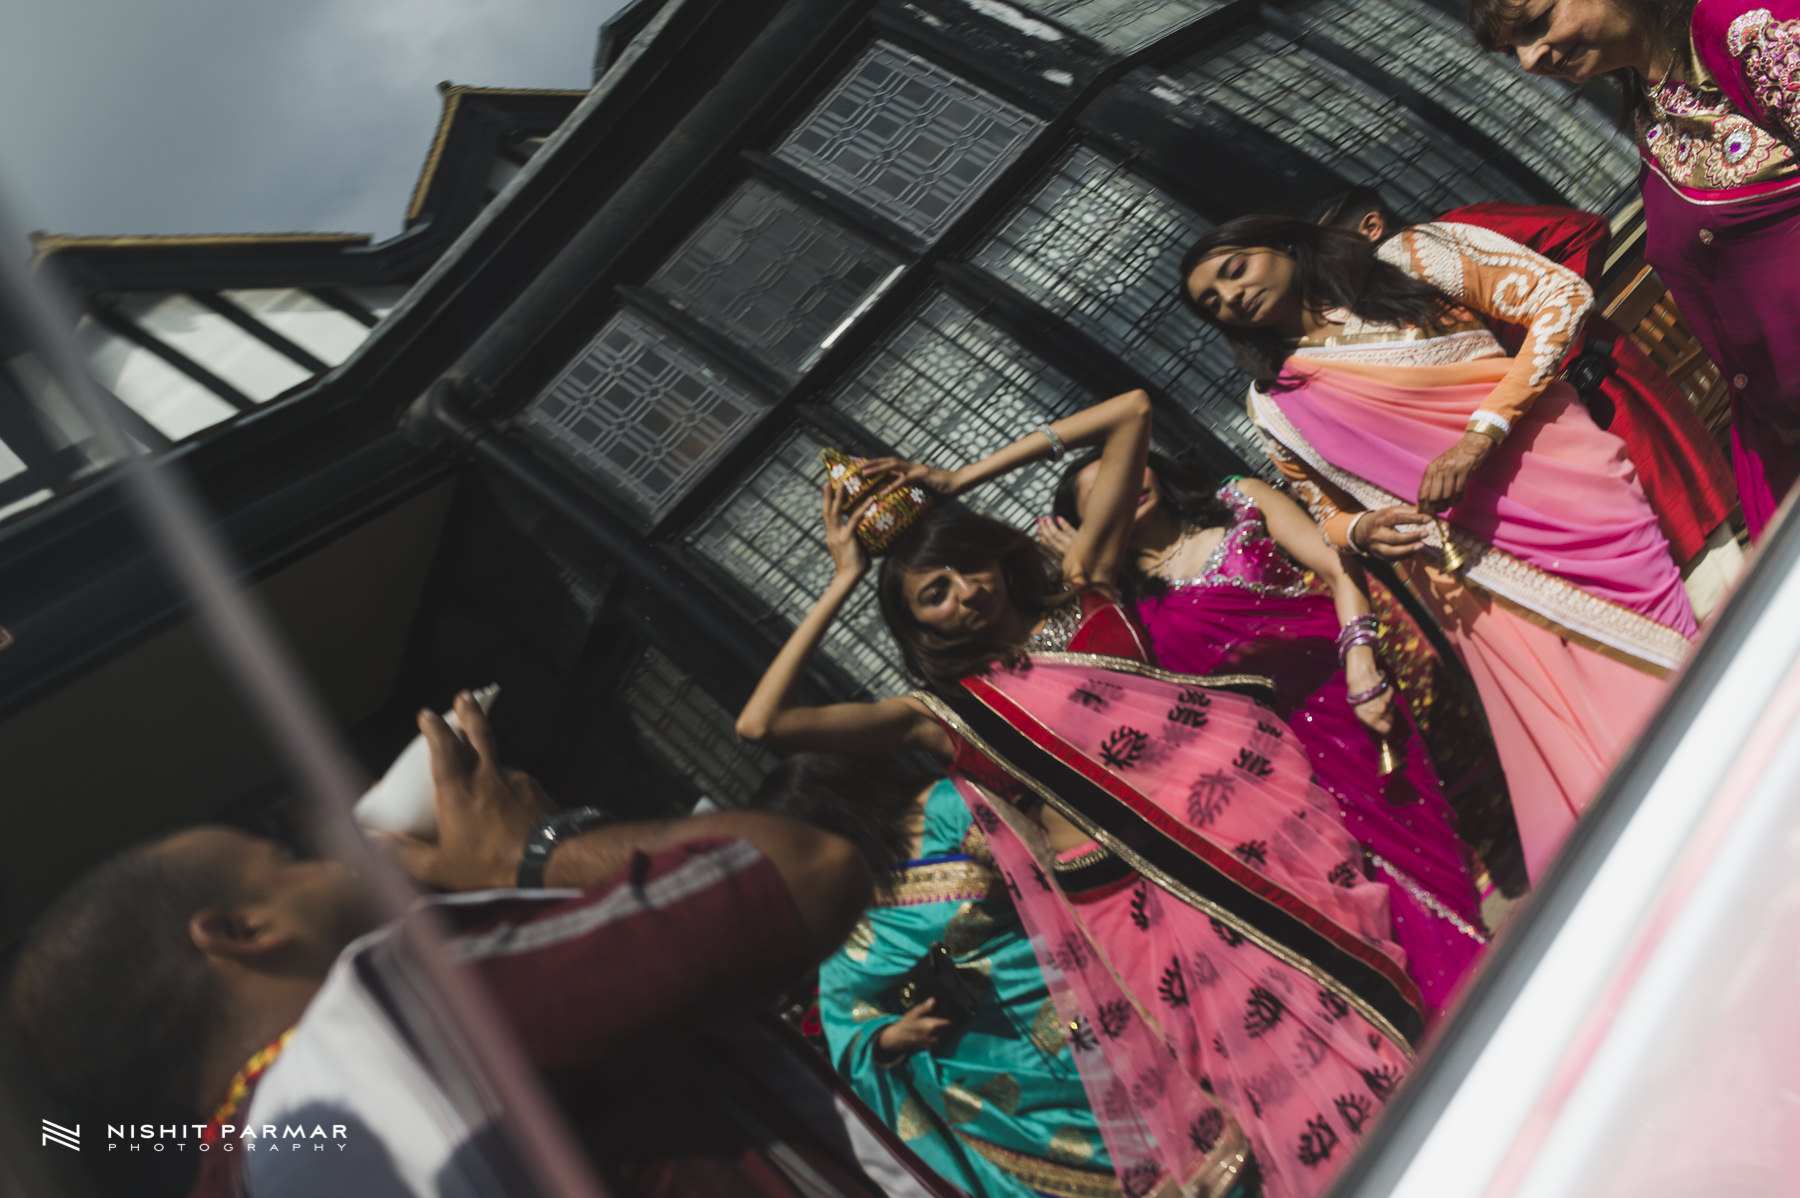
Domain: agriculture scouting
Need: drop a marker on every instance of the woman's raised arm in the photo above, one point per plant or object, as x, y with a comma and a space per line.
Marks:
770, 716
1120, 426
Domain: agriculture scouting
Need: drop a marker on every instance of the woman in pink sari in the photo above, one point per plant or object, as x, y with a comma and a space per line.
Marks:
1221, 585
1221, 961
1374, 382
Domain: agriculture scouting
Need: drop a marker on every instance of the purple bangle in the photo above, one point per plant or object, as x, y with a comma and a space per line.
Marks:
1363, 630
1374, 692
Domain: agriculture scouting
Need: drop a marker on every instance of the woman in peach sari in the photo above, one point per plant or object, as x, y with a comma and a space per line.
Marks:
1374, 382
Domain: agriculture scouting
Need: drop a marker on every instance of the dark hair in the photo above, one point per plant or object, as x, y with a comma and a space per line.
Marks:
1345, 210
1187, 491
1666, 20
863, 799
109, 997
1334, 269
961, 540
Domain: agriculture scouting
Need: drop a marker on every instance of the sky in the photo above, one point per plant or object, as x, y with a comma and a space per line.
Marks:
253, 116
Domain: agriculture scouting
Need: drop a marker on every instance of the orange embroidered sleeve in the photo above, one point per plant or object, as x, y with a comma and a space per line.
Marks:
1501, 279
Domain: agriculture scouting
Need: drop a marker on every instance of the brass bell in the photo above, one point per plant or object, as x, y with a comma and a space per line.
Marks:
1390, 760
1451, 557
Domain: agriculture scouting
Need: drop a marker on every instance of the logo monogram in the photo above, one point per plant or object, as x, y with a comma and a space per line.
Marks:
56, 1133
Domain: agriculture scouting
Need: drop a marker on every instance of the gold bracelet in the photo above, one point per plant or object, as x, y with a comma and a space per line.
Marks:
1494, 428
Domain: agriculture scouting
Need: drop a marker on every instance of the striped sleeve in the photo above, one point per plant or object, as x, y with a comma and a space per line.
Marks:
674, 936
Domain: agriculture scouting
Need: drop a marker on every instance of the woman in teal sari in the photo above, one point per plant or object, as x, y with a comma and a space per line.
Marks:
994, 1103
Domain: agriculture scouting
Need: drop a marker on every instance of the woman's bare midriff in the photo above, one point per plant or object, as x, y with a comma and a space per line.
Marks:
1059, 832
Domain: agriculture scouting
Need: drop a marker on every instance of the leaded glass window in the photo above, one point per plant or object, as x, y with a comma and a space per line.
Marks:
1544, 124
1124, 26
767, 535
641, 413
1341, 123
775, 276
688, 730
909, 139
1099, 247
948, 388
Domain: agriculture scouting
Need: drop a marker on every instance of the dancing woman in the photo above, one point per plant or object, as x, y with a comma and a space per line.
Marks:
1220, 582
994, 1103
1374, 382
1199, 910
1718, 128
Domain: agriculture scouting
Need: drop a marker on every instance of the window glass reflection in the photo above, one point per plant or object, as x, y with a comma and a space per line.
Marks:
908, 139
774, 276
641, 413
1098, 247
1341, 123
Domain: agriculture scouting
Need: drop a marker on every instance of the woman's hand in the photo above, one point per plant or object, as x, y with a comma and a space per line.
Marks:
1055, 534
847, 552
1379, 534
917, 1029
901, 472
1363, 673
1447, 478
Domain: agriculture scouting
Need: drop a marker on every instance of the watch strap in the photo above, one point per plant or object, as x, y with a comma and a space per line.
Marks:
548, 832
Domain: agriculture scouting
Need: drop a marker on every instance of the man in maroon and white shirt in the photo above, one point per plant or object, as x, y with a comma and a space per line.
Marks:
630, 982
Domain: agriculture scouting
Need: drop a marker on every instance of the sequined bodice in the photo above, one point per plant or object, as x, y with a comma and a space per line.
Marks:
1092, 624
1248, 557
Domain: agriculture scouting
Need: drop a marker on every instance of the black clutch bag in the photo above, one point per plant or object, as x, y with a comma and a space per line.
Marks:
934, 976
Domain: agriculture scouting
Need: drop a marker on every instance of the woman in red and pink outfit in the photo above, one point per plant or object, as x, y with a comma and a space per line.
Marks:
1204, 919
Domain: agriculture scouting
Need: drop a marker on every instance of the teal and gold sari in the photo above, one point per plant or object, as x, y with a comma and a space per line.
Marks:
997, 1107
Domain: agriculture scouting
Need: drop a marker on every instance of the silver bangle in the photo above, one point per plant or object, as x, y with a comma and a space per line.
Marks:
1057, 448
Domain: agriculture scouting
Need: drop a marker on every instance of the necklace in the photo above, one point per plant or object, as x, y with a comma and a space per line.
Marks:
241, 1081
1187, 534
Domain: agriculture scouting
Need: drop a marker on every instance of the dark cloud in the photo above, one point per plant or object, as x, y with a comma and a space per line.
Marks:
200, 116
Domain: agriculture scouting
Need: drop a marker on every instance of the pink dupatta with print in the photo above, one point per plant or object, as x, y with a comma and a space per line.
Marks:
1176, 777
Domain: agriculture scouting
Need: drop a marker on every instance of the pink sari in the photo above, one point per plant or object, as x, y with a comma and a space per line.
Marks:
1224, 954
1554, 521
1569, 609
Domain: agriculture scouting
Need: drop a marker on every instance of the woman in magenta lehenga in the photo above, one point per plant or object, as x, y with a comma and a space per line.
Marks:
1210, 938
1718, 123
1221, 589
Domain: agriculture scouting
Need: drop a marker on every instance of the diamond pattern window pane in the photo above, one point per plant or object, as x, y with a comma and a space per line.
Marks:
776, 277
1124, 26
948, 388
1342, 123
641, 413
1099, 247
909, 139
1542, 123
690, 732
768, 536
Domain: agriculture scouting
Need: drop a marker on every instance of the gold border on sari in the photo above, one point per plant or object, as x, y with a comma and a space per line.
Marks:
1068, 1181
1174, 886
1126, 665
1552, 603
940, 882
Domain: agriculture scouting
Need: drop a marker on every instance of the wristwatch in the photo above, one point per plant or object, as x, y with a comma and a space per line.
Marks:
550, 831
